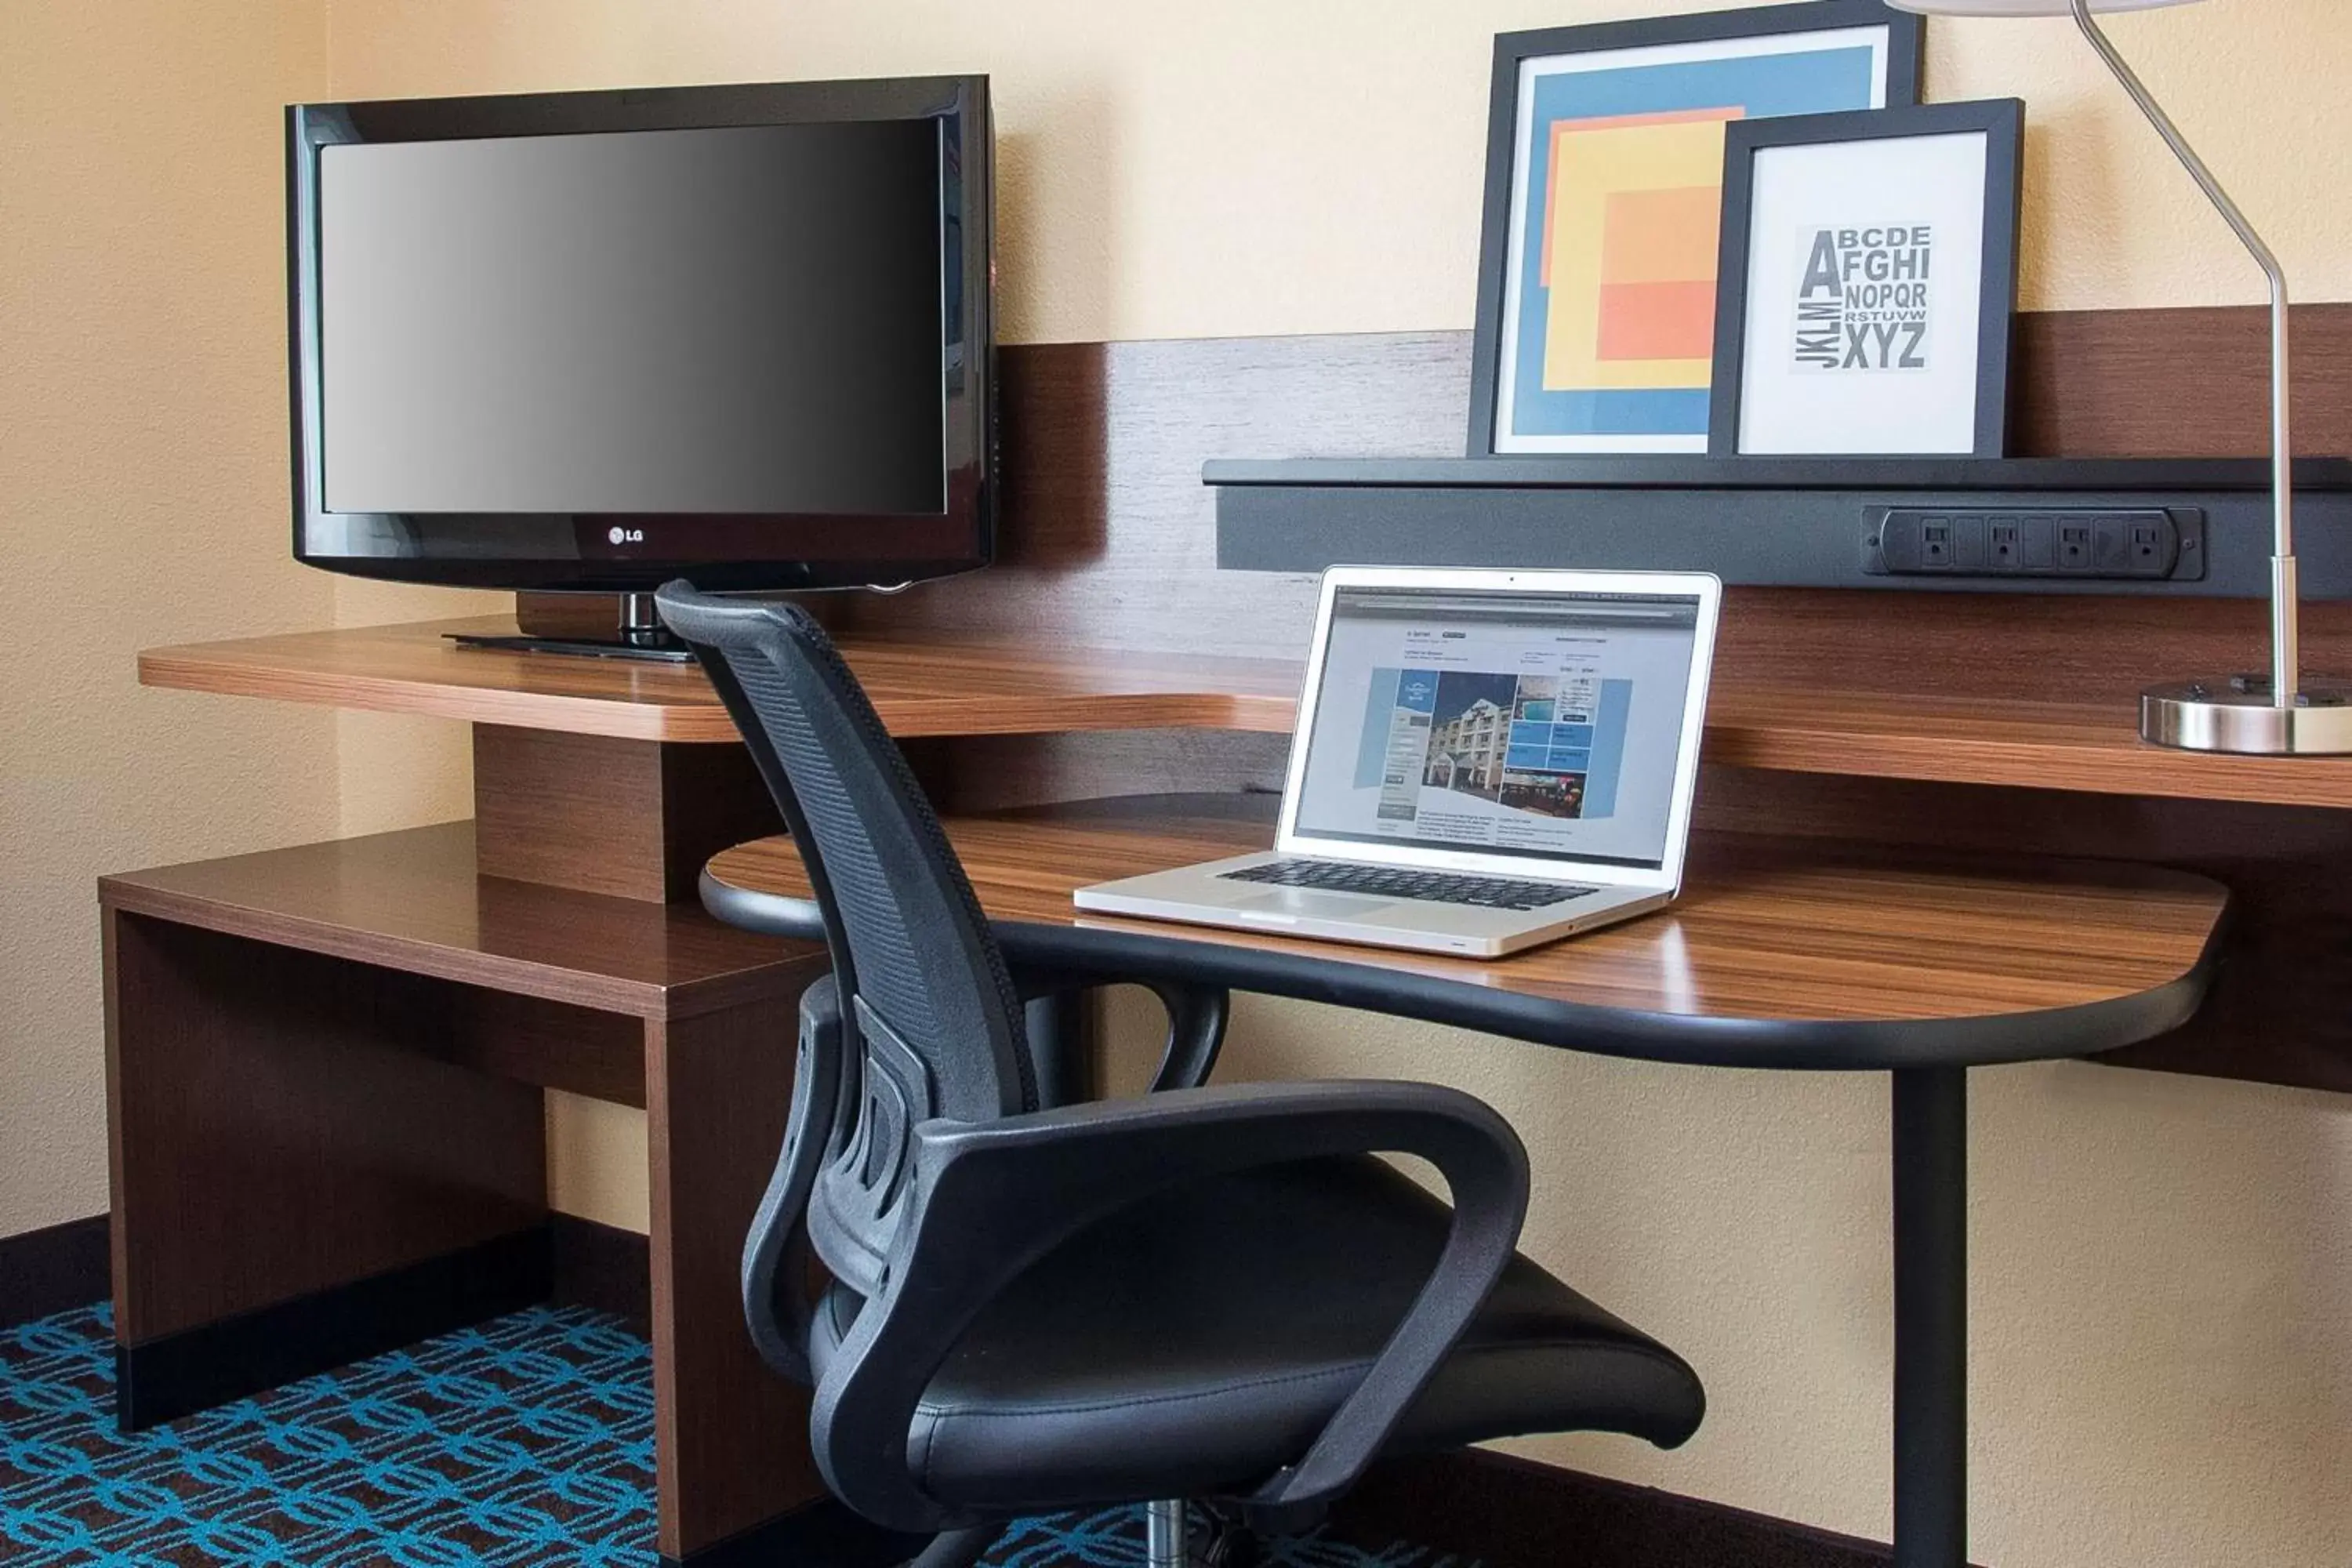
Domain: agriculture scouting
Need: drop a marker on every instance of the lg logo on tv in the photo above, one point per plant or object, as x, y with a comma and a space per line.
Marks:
619, 535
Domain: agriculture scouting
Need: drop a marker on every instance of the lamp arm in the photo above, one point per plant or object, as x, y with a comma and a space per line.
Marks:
2287, 678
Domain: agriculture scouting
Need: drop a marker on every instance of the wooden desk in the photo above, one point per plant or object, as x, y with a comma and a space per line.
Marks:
933, 687
948, 687
325, 1063
1777, 955
1771, 959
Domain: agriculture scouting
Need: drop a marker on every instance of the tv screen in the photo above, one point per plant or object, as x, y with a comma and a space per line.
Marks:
597, 340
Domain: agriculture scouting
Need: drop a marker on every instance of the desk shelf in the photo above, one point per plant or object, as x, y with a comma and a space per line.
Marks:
2089, 748
413, 901
926, 688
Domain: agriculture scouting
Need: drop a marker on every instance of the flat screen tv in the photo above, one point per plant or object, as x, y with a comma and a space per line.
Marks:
593, 340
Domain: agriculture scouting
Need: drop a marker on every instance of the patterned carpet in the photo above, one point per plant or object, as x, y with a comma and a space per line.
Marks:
526, 1440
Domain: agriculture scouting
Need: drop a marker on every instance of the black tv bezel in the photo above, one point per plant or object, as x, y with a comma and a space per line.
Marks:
875, 548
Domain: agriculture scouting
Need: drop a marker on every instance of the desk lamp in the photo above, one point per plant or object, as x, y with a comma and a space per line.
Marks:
2246, 714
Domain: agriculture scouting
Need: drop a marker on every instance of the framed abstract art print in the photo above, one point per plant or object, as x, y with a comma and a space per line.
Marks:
1604, 204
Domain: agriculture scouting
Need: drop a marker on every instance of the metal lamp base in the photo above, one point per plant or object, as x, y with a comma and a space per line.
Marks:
2237, 716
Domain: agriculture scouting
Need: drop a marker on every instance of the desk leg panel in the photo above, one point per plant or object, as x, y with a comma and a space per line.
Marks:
1931, 1317
731, 1436
270, 1137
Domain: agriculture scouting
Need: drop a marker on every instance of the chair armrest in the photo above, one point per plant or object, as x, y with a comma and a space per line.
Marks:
1196, 1032
774, 1276
987, 1201
1197, 1015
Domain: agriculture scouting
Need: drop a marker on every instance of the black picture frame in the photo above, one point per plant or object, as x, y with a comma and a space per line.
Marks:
2002, 122
1904, 53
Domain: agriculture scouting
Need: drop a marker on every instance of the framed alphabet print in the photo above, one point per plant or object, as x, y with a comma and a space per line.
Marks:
1605, 168
1869, 272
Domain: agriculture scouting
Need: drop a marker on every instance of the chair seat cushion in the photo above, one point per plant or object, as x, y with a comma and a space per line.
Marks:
1199, 1341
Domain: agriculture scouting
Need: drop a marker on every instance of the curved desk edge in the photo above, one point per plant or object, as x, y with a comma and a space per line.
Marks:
1311, 975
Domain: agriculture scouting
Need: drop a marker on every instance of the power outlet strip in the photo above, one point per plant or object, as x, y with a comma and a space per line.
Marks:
2143, 544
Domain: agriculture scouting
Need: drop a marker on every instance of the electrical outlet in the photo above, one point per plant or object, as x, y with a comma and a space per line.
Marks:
2073, 547
2146, 547
2006, 552
1936, 544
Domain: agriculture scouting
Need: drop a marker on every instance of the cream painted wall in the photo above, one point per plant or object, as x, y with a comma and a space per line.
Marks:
142, 498
1264, 166
2163, 1268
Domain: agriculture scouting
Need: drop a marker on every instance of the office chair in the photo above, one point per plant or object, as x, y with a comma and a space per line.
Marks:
1219, 1294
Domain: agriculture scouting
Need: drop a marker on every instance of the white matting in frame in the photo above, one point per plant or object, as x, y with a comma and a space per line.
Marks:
1901, 392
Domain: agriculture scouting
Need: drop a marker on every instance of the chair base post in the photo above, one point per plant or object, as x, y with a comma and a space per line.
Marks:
1164, 1524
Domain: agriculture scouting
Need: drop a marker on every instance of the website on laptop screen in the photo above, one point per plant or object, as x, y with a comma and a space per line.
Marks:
1540, 724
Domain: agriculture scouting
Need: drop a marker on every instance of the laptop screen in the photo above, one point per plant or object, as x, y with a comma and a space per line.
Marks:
1543, 725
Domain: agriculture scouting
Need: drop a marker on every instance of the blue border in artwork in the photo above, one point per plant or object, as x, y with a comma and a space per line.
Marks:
1802, 82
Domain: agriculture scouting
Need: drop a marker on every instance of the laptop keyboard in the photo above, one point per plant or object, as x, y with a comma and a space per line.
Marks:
1404, 882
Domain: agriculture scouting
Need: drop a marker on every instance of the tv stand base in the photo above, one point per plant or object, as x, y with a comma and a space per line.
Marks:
638, 634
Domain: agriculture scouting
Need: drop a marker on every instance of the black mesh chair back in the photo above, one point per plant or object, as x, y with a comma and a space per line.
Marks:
933, 1024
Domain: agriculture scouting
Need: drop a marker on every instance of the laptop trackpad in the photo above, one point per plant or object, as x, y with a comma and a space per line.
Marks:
1303, 905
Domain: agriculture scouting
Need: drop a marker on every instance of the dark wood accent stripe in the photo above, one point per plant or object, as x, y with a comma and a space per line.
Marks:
2183, 382
53, 1269
162, 1379
1510, 1512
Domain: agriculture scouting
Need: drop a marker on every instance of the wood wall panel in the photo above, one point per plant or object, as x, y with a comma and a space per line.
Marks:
2191, 383
1109, 535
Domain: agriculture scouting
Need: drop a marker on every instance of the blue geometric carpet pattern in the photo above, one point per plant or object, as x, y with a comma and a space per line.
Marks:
525, 1440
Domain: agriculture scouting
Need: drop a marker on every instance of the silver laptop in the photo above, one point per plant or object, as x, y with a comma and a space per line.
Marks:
1485, 761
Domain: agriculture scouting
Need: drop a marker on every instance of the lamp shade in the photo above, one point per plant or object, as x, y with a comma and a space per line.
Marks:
2022, 8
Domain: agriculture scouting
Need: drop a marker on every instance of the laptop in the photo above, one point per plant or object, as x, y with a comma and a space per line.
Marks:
1485, 761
